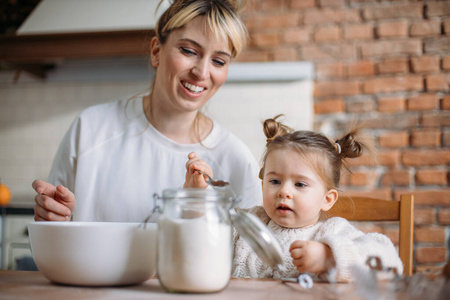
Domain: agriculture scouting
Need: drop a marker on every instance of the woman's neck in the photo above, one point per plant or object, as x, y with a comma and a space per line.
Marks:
183, 128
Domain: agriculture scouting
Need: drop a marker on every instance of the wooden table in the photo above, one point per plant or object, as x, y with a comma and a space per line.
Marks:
16, 285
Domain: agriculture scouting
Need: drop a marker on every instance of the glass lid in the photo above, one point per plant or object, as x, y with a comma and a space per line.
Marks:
258, 236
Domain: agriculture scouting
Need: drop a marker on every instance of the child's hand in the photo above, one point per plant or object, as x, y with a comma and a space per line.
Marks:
193, 178
311, 256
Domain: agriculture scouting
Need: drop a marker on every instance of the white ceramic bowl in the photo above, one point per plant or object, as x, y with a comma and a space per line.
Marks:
94, 253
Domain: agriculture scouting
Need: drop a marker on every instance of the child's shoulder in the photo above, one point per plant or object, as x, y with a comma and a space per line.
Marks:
260, 212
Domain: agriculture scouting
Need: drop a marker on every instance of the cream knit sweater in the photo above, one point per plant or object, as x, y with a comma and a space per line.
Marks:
349, 245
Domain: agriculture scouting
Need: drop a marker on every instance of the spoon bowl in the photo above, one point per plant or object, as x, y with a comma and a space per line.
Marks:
214, 183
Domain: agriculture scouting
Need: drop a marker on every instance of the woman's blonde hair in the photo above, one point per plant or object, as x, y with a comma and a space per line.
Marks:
326, 157
222, 17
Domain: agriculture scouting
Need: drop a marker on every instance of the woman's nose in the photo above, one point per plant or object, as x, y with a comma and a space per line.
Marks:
201, 69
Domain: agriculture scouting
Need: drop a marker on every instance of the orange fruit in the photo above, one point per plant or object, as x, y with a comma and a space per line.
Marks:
5, 194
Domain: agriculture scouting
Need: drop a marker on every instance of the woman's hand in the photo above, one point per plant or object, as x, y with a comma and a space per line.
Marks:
52, 203
311, 256
193, 178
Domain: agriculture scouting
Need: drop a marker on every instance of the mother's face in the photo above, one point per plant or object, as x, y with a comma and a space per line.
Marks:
191, 66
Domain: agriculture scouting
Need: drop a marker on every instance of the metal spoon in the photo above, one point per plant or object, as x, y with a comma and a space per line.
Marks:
214, 183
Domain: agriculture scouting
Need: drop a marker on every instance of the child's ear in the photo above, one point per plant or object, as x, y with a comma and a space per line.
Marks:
330, 198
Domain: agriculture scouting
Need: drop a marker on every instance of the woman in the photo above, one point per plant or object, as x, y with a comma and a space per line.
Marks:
115, 156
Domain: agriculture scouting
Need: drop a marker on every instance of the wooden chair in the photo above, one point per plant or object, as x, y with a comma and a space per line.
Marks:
370, 209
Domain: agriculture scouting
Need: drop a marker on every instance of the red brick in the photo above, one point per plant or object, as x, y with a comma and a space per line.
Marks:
426, 138
325, 3
437, 82
392, 47
432, 197
426, 157
361, 68
393, 65
446, 25
437, 9
328, 106
390, 121
431, 255
431, 177
263, 39
425, 64
446, 138
441, 119
251, 55
280, 20
301, 4
285, 54
360, 106
358, 32
393, 84
271, 5
389, 158
444, 216
393, 11
365, 179
394, 139
330, 70
392, 234
424, 216
446, 63
391, 104
432, 234
329, 15
336, 88
446, 102
392, 29
296, 35
328, 51
327, 34
396, 178
423, 102
439, 44
425, 28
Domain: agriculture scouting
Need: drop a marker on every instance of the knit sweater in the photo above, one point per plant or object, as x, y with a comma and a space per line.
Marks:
350, 247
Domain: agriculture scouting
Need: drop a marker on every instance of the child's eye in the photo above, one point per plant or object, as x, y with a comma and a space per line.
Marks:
300, 184
274, 181
187, 51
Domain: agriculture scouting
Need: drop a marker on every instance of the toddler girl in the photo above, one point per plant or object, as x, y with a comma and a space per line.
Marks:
300, 176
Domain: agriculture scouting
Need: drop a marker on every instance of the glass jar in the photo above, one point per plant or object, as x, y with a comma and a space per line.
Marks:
194, 240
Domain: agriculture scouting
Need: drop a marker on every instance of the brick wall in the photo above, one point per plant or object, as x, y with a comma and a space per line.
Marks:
387, 65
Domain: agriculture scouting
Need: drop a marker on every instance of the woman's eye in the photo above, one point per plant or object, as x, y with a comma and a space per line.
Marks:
219, 63
187, 51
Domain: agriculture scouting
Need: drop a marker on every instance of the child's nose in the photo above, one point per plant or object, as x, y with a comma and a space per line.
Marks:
285, 191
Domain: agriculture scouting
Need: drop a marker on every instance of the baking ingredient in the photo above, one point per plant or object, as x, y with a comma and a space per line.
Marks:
5, 194
195, 255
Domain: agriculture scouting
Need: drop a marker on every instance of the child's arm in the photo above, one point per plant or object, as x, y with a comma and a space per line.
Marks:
311, 256
194, 179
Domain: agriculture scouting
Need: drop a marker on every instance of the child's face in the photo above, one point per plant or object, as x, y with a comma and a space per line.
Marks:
293, 193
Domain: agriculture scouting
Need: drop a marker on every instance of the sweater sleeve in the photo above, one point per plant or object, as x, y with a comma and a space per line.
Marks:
351, 247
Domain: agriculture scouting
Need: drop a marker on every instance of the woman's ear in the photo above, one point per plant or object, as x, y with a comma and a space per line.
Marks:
155, 50
330, 199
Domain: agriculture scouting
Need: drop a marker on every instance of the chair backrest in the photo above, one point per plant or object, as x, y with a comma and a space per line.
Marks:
370, 209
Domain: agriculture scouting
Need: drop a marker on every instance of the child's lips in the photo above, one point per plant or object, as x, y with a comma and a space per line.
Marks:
283, 209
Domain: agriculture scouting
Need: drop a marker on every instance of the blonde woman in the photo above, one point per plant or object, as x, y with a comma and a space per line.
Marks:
115, 156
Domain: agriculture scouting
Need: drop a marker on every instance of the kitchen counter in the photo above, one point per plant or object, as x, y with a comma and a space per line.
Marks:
33, 285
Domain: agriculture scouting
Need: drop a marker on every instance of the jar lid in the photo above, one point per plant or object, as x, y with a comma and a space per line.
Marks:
187, 194
258, 236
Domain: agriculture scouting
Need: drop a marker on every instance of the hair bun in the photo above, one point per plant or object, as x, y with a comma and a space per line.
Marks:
273, 128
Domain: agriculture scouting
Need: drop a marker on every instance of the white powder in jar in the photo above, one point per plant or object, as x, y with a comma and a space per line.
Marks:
194, 255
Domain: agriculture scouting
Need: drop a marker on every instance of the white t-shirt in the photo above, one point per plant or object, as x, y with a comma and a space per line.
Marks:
115, 161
